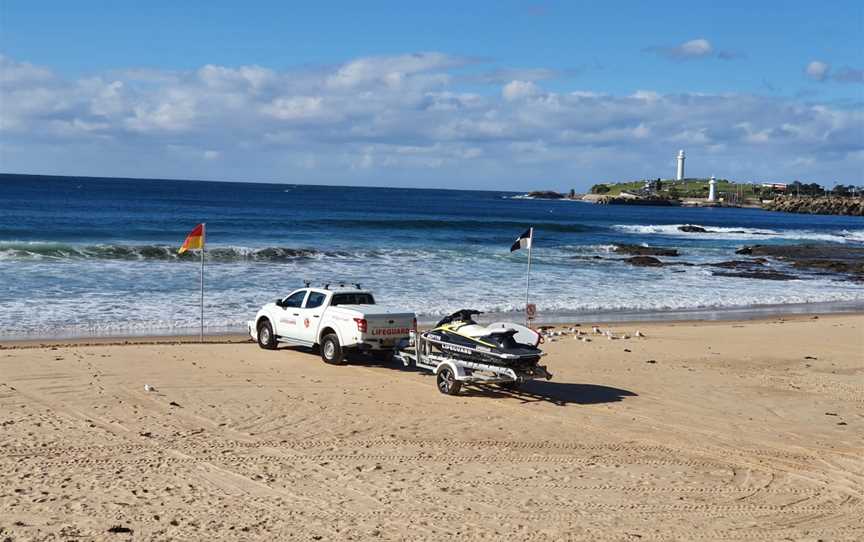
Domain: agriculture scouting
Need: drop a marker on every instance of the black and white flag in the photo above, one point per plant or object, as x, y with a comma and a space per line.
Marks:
523, 241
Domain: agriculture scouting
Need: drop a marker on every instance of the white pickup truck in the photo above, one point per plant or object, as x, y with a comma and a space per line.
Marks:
338, 321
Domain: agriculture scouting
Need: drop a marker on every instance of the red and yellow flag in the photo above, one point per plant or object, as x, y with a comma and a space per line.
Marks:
195, 239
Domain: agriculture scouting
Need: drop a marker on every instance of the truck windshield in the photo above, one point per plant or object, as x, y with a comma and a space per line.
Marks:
352, 299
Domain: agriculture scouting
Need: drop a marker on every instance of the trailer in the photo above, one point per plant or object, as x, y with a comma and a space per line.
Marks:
452, 372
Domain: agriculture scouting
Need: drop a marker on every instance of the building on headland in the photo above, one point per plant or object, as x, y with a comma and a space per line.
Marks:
680, 175
712, 189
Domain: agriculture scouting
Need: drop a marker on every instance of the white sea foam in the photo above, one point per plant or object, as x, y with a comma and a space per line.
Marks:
854, 235
747, 234
164, 297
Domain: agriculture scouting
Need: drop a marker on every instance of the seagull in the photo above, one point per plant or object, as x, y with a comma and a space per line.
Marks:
148, 387
597, 330
639, 333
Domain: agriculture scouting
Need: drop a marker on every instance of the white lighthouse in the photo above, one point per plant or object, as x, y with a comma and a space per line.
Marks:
680, 176
712, 189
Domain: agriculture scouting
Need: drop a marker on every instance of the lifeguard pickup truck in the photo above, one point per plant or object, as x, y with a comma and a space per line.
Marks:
337, 320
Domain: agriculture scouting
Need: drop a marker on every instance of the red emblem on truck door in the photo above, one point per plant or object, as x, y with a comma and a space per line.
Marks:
306, 322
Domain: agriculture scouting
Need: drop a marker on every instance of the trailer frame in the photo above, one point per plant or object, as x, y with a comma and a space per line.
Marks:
452, 372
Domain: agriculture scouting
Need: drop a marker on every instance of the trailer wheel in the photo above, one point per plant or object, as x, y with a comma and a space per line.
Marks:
447, 383
331, 351
266, 338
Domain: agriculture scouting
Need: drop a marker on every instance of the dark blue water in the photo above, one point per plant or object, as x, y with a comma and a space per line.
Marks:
101, 253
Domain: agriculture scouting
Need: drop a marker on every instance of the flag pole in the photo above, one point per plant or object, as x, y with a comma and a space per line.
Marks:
203, 244
528, 274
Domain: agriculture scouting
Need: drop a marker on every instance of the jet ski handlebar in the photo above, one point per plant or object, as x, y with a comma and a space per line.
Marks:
464, 315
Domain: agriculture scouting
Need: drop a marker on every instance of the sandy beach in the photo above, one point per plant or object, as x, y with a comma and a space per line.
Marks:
732, 430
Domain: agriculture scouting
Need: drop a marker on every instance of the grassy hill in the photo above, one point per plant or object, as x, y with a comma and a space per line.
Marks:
688, 188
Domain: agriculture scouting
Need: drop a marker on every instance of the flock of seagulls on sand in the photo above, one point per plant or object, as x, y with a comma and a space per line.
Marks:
552, 335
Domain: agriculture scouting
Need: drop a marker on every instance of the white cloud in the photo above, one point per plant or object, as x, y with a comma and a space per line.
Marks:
647, 95
391, 70
693, 49
295, 108
504, 75
12, 73
753, 135
255, 77
369, 116
699, 47
817, 70
515, 90
173, 110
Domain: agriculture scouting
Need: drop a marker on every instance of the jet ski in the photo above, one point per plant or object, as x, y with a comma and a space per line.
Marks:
502, 343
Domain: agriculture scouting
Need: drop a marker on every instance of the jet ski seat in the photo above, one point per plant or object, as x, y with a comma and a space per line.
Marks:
476, 330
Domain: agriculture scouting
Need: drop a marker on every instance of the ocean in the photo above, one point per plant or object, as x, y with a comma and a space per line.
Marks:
83, 257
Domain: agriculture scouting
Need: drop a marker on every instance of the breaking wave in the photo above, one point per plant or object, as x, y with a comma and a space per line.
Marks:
717, 232
45, 251
60, 251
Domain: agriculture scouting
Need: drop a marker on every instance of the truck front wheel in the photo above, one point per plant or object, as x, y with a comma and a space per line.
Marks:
266, 339
331, 351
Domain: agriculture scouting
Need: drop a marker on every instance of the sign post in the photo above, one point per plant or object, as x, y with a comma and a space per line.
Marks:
530, 312
528, 275
203, 238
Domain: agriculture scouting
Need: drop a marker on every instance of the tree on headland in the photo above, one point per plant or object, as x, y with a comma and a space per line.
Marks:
798, 188
843, 191
600, 189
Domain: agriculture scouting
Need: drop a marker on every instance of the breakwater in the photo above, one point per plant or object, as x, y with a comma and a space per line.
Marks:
820, 205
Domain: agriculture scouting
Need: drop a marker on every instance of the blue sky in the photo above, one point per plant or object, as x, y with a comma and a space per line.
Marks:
513, 95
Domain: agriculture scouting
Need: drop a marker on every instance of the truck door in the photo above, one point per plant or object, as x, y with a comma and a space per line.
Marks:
289, 315
310, 317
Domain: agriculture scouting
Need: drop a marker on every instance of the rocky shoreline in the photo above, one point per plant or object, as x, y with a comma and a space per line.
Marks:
765, 262
822, 205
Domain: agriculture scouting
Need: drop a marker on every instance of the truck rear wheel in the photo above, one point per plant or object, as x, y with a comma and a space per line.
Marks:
266, 338
447, 383
331, 351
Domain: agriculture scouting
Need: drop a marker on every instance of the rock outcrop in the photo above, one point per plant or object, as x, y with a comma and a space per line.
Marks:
545, 194
640, 250
739, 264
755, 274
688, 228
822, 258
644, 261
821, 205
